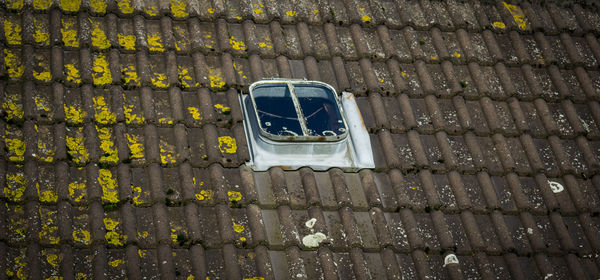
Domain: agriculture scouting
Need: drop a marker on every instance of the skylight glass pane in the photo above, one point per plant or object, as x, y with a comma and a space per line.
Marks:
276, 111
323, 118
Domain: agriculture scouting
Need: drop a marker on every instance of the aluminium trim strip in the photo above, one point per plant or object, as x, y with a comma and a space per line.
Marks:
296, 102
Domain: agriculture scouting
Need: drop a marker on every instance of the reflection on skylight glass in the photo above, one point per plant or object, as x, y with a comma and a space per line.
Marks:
320, 110
276, 111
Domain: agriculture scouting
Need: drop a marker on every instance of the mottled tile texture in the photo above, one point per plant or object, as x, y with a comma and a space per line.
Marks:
123, 148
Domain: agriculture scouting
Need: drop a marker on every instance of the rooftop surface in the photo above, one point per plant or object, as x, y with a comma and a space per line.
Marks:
123, 146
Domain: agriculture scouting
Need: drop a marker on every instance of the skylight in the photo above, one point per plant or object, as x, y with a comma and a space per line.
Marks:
298, 111
296, 123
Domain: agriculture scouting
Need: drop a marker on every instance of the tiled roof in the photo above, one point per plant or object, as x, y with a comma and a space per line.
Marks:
123, 146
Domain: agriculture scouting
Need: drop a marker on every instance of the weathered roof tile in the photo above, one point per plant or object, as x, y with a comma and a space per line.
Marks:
134, 108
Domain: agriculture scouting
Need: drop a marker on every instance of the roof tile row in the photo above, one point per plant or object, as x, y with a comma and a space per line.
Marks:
423, 191
350, 234
297, 41
449, 15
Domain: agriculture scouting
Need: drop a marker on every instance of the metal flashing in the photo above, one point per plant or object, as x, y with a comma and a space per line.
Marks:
317, 152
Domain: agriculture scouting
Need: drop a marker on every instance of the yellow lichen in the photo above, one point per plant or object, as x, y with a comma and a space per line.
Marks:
164, 120
136, 194
74, 115
456, 54
12, 107
204, 194
130, 116
40, 35
12, 64
130, 76
238, 228
266, 44
290, 13
234, 196
14, 4
179, 8
115, 263
47, 196
155, 43
83, 236
258, 11
110, 224
70, 5
18, 269
216, 81
16, 149
196, 114
99, 39
98, 6
72, 74
151, 11
517, 14
17, 225
14, 187
110, 192
43, 76
126, 41
143, 234
101, 72
211, 10
236, 45
315, 11
114, 238
185, 77
227, 145
69, 33
103, 115
366, 18
174, 236
44, 153
42, 4
208, 36
49, 228
222, 109
52, 259
159, 80
109, 151
136, 149
499, 24
77, 191
167, 153
41, 104
125, 6
12, 32
77, 151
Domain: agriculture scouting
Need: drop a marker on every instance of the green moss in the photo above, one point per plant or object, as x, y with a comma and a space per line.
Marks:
110, 207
